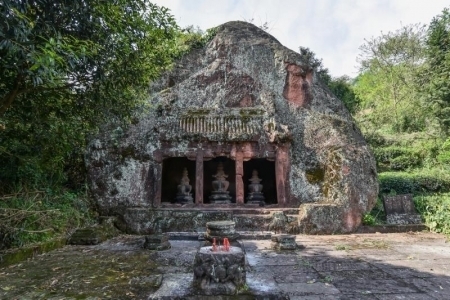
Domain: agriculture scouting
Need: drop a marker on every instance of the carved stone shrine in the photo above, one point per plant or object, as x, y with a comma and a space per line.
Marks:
255, 195
240, 104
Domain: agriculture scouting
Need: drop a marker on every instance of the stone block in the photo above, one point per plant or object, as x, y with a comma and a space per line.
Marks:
400, 209
96, 234
219, 272
283, 242
157, 242
221, 229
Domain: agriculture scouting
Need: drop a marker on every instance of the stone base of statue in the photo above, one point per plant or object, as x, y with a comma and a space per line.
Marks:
255, 198
184, 199
220, 197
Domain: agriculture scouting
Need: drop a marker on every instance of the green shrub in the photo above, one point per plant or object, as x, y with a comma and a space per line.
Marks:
397, 158
435, 210
368, 219
414, 182
376, 215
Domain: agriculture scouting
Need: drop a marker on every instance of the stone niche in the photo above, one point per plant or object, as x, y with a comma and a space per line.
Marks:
238, 160
247, 103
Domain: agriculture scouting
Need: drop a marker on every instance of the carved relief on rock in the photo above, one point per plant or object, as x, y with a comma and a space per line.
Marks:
297, 88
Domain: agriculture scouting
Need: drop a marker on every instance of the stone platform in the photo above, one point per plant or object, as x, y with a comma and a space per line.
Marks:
332, 267
193, 219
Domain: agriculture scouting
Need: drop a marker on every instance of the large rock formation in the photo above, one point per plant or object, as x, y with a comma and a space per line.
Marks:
248, 101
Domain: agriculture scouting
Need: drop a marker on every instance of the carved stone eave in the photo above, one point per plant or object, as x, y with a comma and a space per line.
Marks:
225, 125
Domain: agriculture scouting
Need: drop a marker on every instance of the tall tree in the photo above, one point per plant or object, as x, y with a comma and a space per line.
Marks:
67, 66
386, 86
437, 75
80, 47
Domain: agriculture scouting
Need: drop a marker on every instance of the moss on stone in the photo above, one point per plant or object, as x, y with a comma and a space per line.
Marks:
315, 176
13, 256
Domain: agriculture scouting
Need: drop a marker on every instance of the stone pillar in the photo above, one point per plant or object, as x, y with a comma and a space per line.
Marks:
281, 174
239, 181
158, 177
199, 177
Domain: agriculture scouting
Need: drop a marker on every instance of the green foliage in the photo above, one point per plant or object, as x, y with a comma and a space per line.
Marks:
444, 153
192, 38
376, 215
397, 158
316, 63
68, 66
368, 219
387, 86
422, 180
37, 216
342, 88
436, 76
435, 210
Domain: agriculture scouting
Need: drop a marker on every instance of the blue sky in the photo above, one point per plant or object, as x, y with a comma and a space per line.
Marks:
333, 29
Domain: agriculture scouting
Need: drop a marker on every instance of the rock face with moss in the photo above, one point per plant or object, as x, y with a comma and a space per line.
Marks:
248, 102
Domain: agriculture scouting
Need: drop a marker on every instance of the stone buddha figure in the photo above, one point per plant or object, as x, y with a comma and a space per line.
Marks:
255, 195
184, 194
220, 187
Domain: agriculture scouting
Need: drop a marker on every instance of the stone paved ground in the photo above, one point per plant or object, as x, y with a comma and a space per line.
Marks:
361, 266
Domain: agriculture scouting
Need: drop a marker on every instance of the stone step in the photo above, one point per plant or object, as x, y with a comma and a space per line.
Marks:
235, 210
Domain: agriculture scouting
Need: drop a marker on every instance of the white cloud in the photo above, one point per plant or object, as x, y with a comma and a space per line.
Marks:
333, 29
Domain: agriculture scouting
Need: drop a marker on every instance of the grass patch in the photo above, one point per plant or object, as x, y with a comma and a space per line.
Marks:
373, 244
344, 247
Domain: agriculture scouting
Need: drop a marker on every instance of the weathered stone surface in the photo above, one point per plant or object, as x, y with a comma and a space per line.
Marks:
319, 218
221, 229
96, 234
243, 96
151, 221
283, 242
219, 272
400, 209
416, 266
